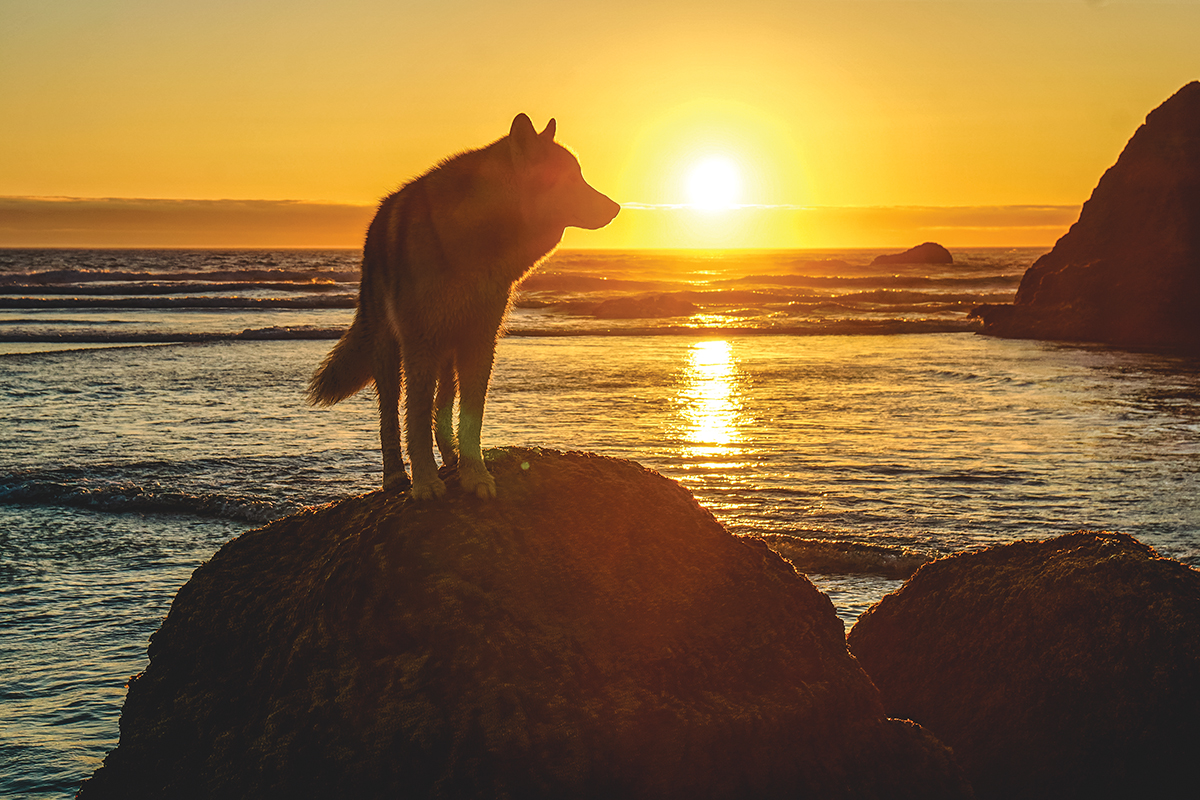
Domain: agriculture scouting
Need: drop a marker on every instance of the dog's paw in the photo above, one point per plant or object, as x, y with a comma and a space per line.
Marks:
397, 482
477, 481
430, 489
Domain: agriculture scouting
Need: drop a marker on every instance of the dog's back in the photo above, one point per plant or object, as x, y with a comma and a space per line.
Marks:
348, 367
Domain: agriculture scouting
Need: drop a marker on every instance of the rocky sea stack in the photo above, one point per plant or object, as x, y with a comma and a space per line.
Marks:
927, 253
1128, 272
1068, 668
593, 633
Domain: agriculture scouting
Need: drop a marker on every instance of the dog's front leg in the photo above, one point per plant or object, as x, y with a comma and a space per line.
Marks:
474, 372
443, 413
420, 377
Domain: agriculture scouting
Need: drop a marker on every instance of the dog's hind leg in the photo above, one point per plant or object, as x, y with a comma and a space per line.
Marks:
443, 423
386, 368
474, 372
420, 377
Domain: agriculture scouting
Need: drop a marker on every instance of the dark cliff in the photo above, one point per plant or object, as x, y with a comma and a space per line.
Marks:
1128, 271
592, 633
1067, 668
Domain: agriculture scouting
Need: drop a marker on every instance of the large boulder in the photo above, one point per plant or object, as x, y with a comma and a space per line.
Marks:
1067, 668
926, 253
1128, 272
592, 633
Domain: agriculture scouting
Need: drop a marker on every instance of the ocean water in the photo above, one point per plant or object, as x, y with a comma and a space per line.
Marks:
152, 407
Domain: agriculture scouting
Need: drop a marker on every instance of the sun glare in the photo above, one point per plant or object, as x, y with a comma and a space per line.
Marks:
714, 183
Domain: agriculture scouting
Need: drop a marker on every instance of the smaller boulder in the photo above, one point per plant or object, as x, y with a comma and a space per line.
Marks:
1067, 668
927, 253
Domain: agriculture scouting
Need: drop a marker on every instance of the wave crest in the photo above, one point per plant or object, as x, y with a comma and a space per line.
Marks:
131, 497
822, 556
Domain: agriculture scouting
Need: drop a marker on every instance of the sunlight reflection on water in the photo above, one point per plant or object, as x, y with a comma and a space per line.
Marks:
709, 401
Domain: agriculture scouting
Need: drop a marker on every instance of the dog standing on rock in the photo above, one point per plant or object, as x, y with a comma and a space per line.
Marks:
440, 261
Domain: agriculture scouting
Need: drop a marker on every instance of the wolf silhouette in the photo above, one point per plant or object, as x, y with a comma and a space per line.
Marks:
440, 261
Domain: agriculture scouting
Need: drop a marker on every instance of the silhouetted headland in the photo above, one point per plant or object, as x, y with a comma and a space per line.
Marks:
1067, 668
590, 633
1128, 271
926, 253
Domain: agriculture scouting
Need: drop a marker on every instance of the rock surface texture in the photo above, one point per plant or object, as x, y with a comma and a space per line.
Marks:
927, 253
1128, 271
1068, 668
592, 633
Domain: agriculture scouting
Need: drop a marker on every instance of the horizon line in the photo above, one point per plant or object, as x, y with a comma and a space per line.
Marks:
59, 221
634, 205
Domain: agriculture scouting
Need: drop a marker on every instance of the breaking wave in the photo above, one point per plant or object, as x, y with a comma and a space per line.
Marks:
80, 491
888, 281
821, 556
336, 301
56, 276
13, 287
277, 333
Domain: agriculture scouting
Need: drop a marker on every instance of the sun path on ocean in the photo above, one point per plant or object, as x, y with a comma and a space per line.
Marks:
714, 183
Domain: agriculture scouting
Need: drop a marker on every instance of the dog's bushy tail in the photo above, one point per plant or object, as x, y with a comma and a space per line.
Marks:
346, 369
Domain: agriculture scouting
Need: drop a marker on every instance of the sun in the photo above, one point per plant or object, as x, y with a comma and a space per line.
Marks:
714, 183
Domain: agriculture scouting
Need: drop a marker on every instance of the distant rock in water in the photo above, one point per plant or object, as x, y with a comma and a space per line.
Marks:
592, 633
1068, 668
927, 253
1128, 272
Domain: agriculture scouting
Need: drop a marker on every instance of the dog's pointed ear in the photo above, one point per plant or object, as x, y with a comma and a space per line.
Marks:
548, 134
522, 134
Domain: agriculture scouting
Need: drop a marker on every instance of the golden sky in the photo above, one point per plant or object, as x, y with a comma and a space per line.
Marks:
868, 122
